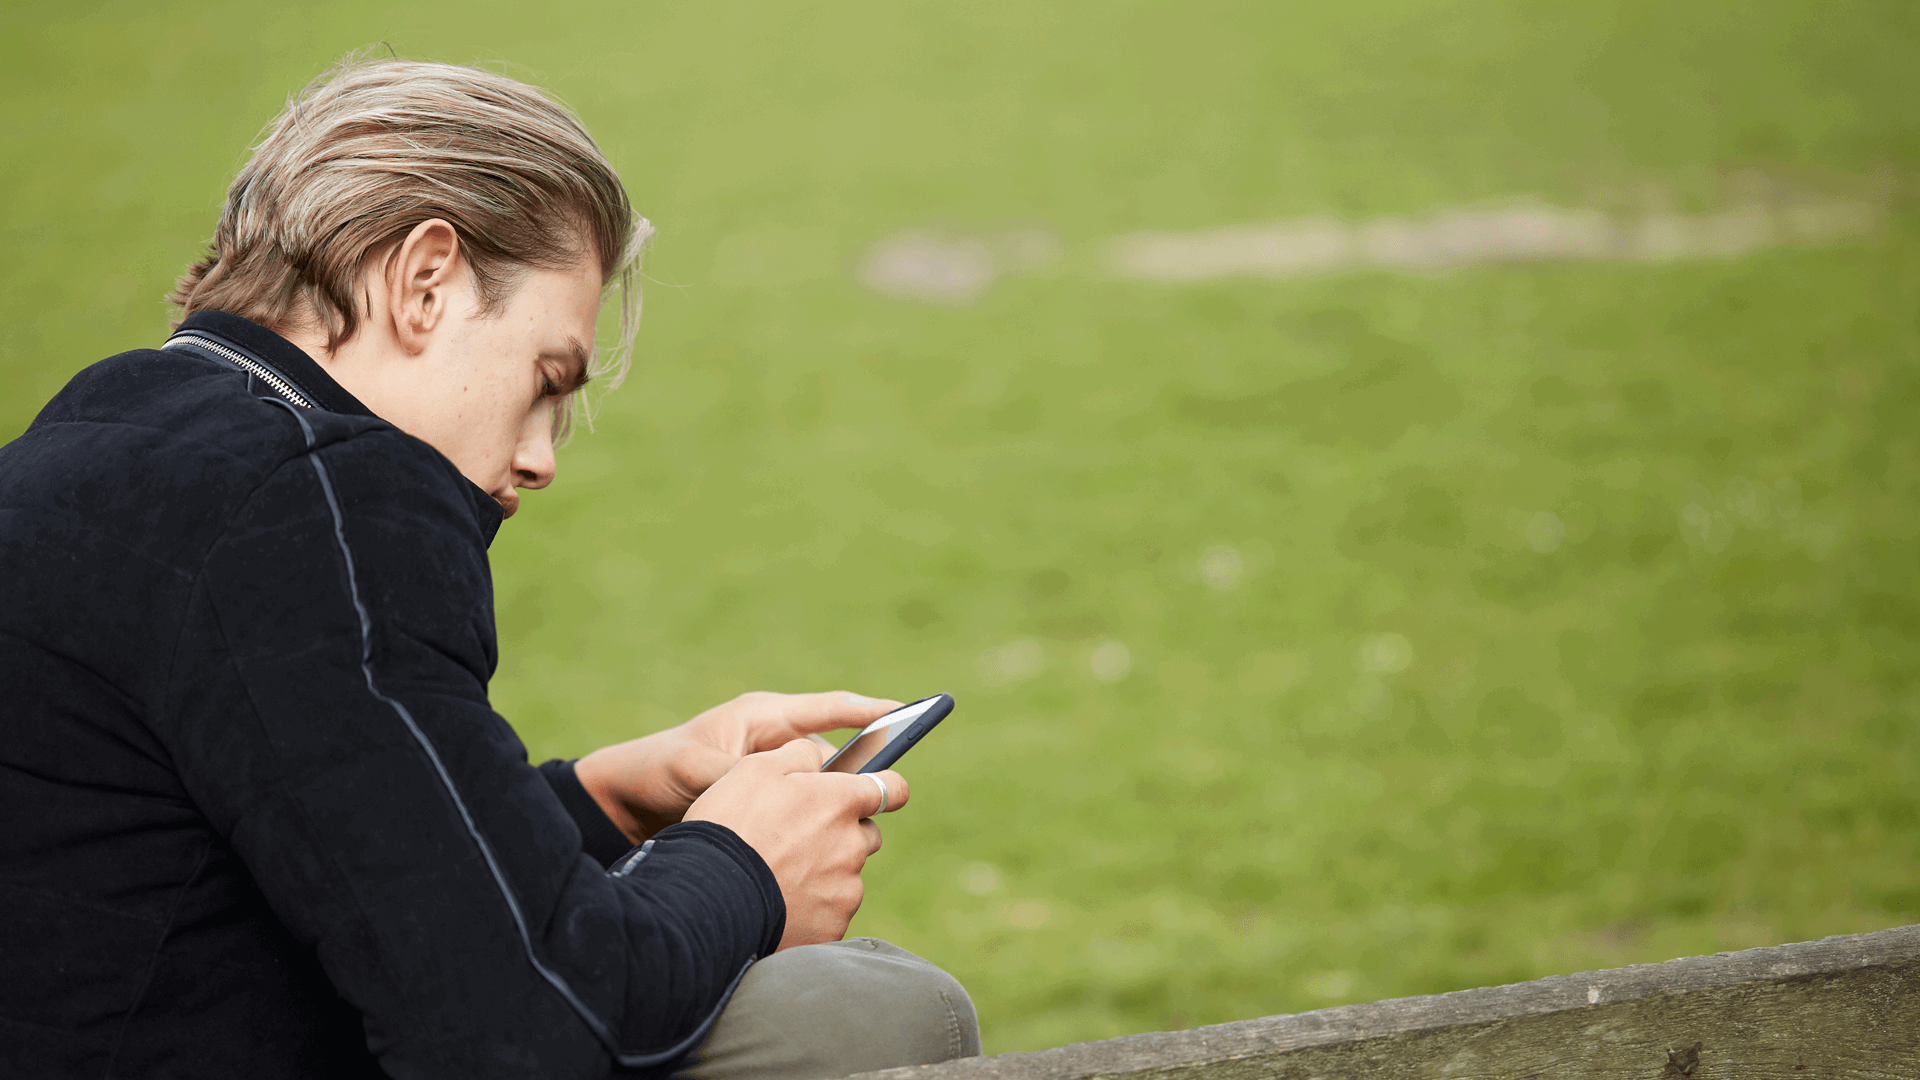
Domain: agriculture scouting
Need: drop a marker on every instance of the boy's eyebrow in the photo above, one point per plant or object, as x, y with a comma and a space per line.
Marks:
578, 358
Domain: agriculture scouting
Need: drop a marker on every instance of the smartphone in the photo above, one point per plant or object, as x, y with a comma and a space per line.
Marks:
884, 741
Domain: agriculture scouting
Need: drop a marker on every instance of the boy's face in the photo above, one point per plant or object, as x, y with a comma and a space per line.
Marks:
480, 389
493, 382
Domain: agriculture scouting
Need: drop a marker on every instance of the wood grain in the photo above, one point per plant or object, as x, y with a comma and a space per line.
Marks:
1841, 1008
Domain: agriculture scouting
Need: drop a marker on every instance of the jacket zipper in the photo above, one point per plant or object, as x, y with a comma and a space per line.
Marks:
245, 363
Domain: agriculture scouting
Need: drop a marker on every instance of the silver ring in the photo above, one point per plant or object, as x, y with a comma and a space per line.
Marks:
875, 777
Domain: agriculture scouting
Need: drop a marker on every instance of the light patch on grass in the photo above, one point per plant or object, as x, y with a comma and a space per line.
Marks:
1110, 661
1710, 520
1336, 985
1384, 654
1221, 567
1545, 531
1524, 231
1016, 661
943, 266
980, 878
1027, 914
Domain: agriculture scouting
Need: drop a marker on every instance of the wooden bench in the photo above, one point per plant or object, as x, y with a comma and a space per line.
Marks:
1841, 1008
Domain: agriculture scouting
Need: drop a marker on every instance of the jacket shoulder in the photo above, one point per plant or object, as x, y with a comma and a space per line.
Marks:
201, 407
157, 451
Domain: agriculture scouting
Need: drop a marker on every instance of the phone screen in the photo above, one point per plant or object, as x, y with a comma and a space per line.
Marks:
875, 736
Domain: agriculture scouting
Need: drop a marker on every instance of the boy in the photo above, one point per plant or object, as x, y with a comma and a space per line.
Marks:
261, 818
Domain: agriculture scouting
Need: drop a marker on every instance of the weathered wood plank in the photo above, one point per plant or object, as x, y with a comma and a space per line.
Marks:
1841, 1008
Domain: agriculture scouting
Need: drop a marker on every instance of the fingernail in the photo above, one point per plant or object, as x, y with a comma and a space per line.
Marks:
857, 699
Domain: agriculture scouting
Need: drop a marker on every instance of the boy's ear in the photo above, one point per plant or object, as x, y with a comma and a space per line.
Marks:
419, 278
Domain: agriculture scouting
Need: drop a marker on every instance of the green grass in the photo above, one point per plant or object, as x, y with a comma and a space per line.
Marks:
1631, 748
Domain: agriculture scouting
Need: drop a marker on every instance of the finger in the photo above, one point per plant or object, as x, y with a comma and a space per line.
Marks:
871, 832
834, 709
863, 791
795, 755
696, 765
897, 790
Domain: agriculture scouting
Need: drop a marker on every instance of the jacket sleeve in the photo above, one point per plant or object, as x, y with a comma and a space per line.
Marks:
329, 714
600, 838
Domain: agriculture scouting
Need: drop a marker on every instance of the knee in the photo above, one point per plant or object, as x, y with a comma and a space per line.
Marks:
866, 990
836, 1009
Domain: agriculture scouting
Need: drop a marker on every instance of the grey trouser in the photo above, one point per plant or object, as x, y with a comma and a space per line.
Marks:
824, 1011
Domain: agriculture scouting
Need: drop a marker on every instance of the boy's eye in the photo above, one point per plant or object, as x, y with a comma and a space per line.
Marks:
548, 388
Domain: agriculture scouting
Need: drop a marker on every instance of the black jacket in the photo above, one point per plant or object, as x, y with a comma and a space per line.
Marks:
256, 816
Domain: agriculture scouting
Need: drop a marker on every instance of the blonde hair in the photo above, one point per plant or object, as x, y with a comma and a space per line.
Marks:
371, 149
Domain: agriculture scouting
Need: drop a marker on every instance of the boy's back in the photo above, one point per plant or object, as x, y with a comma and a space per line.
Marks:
258, 786
122, 898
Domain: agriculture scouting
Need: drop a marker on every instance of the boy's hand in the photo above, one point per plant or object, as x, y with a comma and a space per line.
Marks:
814, 830
646, 784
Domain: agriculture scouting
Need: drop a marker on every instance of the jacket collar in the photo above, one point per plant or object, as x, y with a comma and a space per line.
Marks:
286, 359
290, 362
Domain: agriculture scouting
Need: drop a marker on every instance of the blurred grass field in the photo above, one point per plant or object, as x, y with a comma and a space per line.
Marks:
1584, 635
